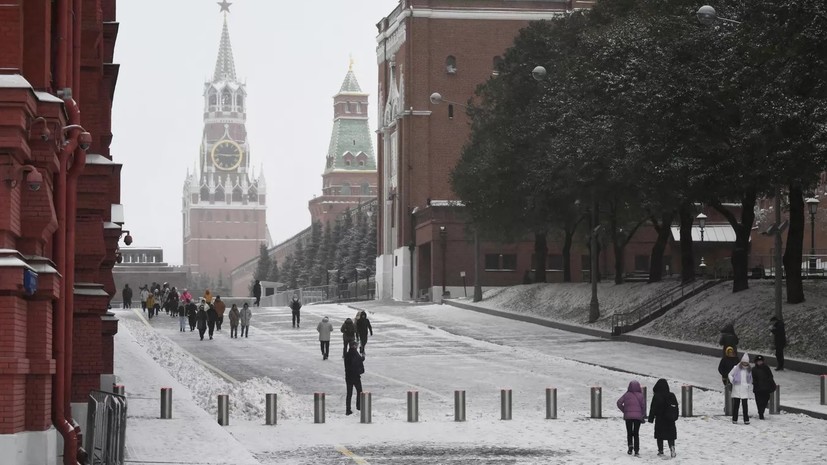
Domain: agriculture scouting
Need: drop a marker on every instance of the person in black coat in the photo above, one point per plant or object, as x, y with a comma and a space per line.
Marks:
201, 318
348, 335
257, 292
663, 401
779, 335
763, 385
354, 367
212, 317
296, 307
728, 361
192, 313
728, 338
362, 328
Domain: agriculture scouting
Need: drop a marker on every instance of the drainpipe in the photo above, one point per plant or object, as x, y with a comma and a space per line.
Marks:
76, 44
62, 45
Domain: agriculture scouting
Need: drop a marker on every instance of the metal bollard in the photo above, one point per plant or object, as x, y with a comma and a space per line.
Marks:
459, 405
644, 395
551, 403
597, 402
413, 406
823, 389
118, 389
686, 401
364, 401
318, 407
223, 409
728, 400
775, 401
166, 403
505, 404
271, 409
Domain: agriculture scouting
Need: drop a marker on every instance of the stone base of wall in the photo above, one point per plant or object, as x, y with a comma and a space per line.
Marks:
30, 447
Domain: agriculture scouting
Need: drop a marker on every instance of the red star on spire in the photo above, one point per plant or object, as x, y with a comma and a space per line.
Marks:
225, 6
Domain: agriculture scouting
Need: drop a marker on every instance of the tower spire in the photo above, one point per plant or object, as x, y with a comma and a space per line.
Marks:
224, 64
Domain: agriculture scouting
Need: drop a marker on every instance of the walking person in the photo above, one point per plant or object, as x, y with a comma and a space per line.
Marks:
362, 328
244, 319
192, 313
663, 412
763, 384
354, 368
325, 328
728, 338
633, 407
201, 318
208, 296
182, 316
150, 305
348, 334
779, 335
144, 295
220, 308
296, 308
741, 378
257, 293
127, 296
156, 303
234, 317
212, 317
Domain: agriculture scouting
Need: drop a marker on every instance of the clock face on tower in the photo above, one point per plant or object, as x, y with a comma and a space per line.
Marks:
226, 155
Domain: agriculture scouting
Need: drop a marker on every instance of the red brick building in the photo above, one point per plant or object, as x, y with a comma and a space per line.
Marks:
60, 221
349, 176
224, 203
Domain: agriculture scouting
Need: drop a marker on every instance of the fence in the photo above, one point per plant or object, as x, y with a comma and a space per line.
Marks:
656, 306
363, 289
106, 425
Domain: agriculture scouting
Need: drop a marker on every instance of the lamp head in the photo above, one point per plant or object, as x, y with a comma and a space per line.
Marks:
706, 15
701, 220
539, 73
812, 205
436, 98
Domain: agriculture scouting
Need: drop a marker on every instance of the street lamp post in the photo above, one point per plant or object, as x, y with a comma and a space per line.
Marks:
812, 207
702, 225
443, 236
477, 283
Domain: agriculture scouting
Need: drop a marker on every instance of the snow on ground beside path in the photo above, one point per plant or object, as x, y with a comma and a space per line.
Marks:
697, 320
247, 399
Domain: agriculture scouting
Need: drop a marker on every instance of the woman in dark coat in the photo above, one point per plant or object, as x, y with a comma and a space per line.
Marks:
362, 328
201, 318
348, 334
662, 402
212, 317
763, 384
192, 313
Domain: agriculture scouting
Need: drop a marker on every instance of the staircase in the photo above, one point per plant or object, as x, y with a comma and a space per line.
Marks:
657, 306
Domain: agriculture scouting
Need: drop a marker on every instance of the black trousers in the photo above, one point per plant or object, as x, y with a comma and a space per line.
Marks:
201, 332
211, 327
218, 322
671, 443
351, 383
192, 323
296, 319
779, 356
325, 348
762, 399
234, 331
258, 301
739, 403
245, 330
633, 434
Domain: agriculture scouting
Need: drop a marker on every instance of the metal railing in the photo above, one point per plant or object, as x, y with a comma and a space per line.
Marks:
106, 425
643, 313
364, 289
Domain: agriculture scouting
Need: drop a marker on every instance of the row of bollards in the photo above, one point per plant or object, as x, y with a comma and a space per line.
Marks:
365, 401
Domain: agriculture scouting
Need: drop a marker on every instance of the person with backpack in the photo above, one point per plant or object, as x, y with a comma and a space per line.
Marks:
192, 312
348, 334
362, 328
763, 384
741, 378
325, 328
354, 368
296, 307
663, 412
633, 407
728, 338
234, 317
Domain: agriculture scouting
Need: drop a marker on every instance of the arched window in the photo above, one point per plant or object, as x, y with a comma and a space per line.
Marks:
451, 64
213, 100
252, 195
226, 100
219, 194
237, 194
239, 102
205, 194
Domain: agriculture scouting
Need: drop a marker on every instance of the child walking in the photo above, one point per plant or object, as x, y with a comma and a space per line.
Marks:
634, 412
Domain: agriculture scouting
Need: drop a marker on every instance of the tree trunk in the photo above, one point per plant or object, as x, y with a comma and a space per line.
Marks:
664, 230
740, 252
619, 248
540, 253
793, 254
569, 235
687, 217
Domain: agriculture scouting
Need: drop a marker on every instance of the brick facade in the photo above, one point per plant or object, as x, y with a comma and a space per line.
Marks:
34, 67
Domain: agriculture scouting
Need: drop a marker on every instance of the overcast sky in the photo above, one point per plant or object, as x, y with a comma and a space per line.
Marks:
293, 56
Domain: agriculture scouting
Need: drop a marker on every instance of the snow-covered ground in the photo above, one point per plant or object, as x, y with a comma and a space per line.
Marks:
697, 320
434, 350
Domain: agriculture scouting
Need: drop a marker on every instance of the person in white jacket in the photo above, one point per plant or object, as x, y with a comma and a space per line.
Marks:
741, 379
244, 318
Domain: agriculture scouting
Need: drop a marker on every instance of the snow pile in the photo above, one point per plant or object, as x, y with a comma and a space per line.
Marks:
247, 399
698, 320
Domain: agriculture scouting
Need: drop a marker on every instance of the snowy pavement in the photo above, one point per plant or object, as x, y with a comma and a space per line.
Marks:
435, 350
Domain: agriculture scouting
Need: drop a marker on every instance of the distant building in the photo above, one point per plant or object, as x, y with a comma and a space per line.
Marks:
145, 265
224, 202
350, 176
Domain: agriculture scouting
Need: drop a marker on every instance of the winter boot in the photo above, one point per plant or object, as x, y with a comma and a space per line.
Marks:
672, 451
630, 450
